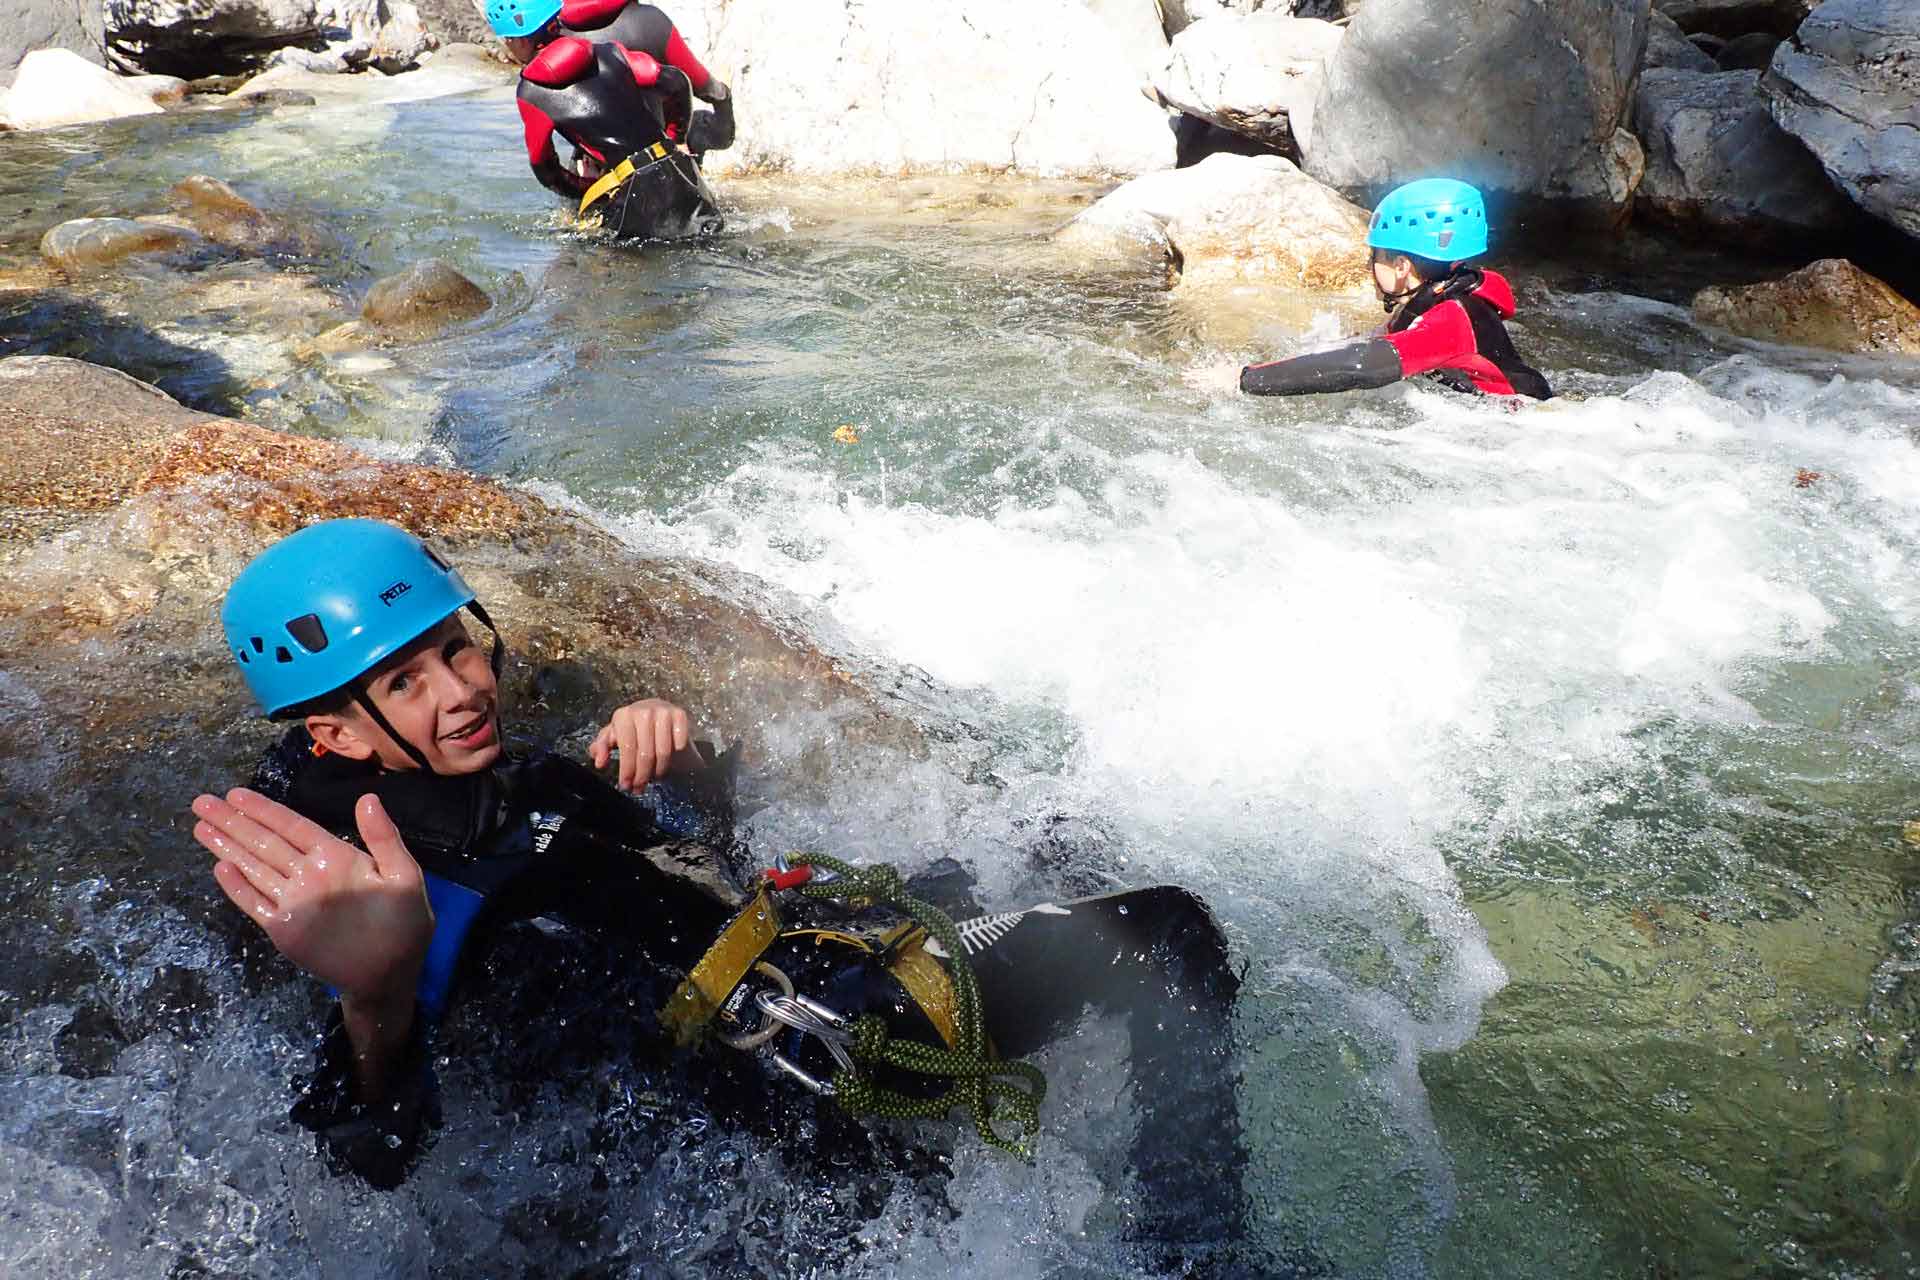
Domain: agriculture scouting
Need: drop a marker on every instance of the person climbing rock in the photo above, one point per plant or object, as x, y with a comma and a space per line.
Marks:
391, 824
1445, 318
615, 79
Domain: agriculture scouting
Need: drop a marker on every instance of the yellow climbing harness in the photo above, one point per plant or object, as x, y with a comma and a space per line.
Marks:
612, 178
944, 988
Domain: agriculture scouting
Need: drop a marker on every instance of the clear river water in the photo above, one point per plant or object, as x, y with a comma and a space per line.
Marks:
1548, 768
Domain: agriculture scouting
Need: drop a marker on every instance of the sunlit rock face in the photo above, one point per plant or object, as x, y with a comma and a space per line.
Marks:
127, 515
1831, 304
1255, 75
56, 87
1230, 218
825, 87
1848, 85
1424, 87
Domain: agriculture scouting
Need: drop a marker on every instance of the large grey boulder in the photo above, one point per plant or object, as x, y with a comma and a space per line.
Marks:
201, 37
1255, 75
1181, 14
1135, 25
1716, 161
1518, 96
1730, 18
830, 87
1848, 85
26, 25
1668, 46
1228, 219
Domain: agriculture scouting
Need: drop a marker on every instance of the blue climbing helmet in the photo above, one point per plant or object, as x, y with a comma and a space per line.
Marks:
520, 17
322, 607
1441, 219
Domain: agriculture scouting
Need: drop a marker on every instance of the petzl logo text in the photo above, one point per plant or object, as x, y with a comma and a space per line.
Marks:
394, 592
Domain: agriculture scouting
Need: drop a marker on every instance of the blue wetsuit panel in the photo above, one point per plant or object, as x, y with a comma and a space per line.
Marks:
454, 909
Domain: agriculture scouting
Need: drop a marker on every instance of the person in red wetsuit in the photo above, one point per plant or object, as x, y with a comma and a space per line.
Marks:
617, 81
1446, 319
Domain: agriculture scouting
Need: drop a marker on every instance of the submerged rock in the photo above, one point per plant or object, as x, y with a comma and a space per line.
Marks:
1716, 161
1255, 75
97, 242
1848, 85
424, 298
228, 218
56, 87
1231, 218
1830, 304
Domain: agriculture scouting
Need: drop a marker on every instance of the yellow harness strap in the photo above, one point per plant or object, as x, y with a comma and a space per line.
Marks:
694, 1002
613, 177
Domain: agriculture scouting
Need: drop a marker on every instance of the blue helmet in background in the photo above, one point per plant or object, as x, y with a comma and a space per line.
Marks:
322, 607
520, 17
1442, 219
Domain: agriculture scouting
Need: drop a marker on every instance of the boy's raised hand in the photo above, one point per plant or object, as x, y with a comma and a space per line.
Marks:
358, 921
654, 738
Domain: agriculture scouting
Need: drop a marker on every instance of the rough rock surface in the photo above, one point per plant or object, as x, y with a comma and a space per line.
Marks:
1831, 304
55, 87
455, 21
86, 243
1751, 52
161, 506
455, 69
1716, 161
1136, 26
1476, 117
1730, 18
830, 87
1848, 85
1668, 46
1181, 14
1230, 218
74, 25
424, 298
1255, 75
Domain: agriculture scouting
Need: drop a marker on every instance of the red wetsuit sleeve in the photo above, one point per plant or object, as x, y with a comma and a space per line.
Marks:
678, 55
1443, 338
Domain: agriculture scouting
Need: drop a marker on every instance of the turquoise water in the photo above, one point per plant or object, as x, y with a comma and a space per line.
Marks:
1548, 768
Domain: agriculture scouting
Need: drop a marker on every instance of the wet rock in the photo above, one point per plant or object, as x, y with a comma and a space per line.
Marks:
163, 91
1255, 75
400, 43
1717, 163
1456, 60
1831, 304
1234, 218
1125, 240
1750, 52
86, 243
899, 88
424, 298
228, 218
73, 25
1668, 46
1848, 85
55, 87
203, 37
1730, 18
174, 502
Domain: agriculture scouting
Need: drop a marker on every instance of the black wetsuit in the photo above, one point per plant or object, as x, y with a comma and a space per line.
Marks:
1453, 329
619, 83
546, 837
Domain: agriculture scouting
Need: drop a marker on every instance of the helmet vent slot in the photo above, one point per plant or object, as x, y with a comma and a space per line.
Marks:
280, 654
259, 645
308, 631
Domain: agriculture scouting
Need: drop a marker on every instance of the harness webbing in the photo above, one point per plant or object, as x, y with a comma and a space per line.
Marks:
985, 1085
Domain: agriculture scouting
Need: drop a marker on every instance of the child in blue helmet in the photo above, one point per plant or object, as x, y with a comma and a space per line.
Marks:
1445, 318
390, 821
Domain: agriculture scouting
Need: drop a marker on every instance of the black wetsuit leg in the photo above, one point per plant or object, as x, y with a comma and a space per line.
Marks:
1157, 957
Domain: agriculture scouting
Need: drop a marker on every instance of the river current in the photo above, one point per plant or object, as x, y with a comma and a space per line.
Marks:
1548, 768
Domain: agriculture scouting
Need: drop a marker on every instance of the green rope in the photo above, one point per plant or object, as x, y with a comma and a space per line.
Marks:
982, 1083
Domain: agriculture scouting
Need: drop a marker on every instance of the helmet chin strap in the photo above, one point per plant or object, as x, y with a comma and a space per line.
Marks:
497, 660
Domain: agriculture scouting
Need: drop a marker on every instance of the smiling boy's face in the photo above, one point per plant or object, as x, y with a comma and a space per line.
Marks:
439, 693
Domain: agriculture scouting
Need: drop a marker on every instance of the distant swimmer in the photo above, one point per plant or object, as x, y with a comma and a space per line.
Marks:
1445, 319
617, 82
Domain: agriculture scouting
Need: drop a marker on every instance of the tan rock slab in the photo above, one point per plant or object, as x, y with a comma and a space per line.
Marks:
1830, 304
